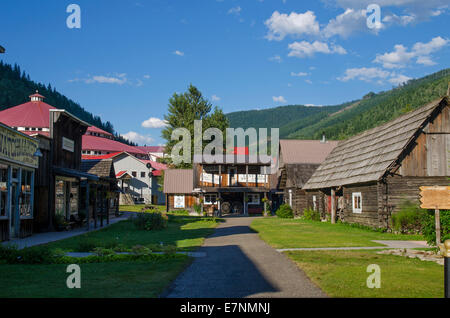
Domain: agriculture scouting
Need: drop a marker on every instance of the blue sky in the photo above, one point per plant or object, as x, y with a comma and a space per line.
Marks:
129, 57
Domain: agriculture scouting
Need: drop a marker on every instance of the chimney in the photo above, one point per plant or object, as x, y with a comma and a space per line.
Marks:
324, 139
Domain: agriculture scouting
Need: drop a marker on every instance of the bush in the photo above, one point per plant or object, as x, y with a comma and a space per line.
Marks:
8, 253
285, 212
101, 251
310, 214
198, 208
429, 228
408, 219
150, 221
180, 212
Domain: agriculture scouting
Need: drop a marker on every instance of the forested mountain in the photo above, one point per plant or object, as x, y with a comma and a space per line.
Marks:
16, 86
348, 119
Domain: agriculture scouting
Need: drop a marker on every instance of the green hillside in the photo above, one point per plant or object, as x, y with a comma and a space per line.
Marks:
16, 86
345, 120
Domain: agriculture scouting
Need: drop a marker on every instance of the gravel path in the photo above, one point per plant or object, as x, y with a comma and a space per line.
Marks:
239, 264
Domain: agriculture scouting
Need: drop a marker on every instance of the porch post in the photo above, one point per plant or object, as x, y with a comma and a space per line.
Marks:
265, 205
246, 175
87, 205
333, 206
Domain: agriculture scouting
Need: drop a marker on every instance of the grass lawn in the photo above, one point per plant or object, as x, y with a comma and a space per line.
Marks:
183, 232
138, 208
292, 233
116, 279
110, 279
343, 274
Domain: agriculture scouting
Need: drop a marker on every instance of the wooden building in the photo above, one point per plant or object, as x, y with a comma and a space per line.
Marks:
366, 178
18, 161
233, 188
298, 161
178, 188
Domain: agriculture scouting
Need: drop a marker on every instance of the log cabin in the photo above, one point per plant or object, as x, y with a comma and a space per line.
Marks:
298, 161
367, 177
178, 188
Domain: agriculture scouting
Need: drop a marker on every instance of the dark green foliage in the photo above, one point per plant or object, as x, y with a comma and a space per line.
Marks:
150, 221
408, 219
429, 229
180, 212
285, 212
349, 119
310, 214
16, 86
183, 110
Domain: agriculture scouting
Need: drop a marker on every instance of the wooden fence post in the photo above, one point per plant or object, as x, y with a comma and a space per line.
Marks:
437, 219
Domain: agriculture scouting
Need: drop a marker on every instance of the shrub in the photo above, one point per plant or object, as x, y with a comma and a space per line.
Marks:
150, 221
35, 255
429, 229
198, 208
310, 214
180, 212
101, 251
285, 212
408, 219
141, 250
8, 253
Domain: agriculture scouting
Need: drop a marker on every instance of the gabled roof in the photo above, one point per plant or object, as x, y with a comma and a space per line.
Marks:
155, 165
305, 151
151, 148
103, 167
98, 130
105, 144
367, 156
178, 181
96, 157
31, 114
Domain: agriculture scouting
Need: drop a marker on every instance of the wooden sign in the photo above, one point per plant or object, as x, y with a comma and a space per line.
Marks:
435, 197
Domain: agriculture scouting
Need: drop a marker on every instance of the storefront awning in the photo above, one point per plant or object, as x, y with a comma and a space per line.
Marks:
74, 173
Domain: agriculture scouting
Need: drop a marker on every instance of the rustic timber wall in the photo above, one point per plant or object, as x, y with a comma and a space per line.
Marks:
369, 214
189, 201
299, 200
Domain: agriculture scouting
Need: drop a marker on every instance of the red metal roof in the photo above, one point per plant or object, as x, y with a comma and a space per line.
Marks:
105, 144
98, 130
31, 114
97, 157
156, 165
120, 173
152, 148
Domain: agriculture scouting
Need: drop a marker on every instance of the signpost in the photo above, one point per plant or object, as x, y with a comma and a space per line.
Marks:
438, 198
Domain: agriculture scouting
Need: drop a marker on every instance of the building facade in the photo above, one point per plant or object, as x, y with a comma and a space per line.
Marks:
367, 177
18, 162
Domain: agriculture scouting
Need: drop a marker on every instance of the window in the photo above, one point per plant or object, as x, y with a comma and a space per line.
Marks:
314, 199
253, 198
142, 174
357, 202
210, 198
134, 174
3, 189
25, 194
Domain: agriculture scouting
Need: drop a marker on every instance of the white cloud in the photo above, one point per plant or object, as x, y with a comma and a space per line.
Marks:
154, 122
138, 138
364, 74
400, 57
179, 53
373, 74
279, 99
280, 25
146, 76
399, 79
345, 24
299, 74
307, 49
215, 98
103, 79
236, 10
276, 58
308, 81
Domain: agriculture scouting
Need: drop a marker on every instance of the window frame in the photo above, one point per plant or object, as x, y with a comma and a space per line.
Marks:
210, 195
354, 208
253, 195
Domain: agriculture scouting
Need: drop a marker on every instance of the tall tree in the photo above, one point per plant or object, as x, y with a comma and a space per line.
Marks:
183, 110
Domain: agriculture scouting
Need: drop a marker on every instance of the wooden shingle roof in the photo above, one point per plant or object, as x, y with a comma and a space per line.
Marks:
367, 156
103, 168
